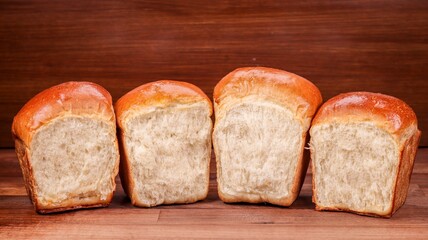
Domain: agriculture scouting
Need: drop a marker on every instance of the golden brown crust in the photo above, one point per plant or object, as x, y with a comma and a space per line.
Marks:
405, 168
333, 209
80, 98
70, 98
126, 180
161, 93
23, 157
389, 113
296, 93
301, 169
71, 205
289, 90
57, 210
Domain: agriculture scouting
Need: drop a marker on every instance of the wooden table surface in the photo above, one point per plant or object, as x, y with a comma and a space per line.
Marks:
210, 218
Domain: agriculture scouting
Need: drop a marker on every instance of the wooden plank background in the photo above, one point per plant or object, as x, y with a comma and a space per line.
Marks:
379, 46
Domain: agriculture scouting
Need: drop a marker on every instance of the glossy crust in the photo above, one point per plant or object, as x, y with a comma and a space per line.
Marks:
77, 98
162, 93
289, 90
388, 113
70, 98
296, 93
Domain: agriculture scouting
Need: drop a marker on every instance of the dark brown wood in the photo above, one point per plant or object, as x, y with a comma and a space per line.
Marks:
210, 218
379, 46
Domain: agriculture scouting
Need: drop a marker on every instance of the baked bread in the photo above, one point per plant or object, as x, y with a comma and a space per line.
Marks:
262, 118
65, 139
165, 138
363, 146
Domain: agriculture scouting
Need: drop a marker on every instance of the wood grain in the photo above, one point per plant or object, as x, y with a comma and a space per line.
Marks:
210, 218
379, 46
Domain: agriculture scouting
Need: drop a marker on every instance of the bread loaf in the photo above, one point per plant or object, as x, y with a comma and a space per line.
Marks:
66, 143
262, 118
363, 147
165, 133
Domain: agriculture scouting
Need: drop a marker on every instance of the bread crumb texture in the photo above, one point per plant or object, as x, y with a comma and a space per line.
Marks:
73, 158
169, 150
259, 144
355, 166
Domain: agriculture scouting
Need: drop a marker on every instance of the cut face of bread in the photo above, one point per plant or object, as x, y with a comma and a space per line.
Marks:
168, 151
259, 144
65, 140
363, 147
262, 118
72, 160
356, 166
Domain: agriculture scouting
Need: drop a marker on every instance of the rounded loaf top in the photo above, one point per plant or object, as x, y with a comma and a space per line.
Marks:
391, 113
296, 93
162, 93
69, 98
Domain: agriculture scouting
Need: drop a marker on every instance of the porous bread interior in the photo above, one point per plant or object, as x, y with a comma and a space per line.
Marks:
73, 158
169, 150
258, 147
355, 166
